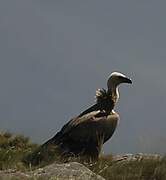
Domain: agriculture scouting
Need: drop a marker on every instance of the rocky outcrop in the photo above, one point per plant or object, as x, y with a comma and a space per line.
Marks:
71, 170
136, 157
68, 171
144, 166
14, 175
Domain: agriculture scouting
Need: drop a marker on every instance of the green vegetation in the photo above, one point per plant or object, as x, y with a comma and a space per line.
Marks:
41, 156
12, 149
143, 169
15, 150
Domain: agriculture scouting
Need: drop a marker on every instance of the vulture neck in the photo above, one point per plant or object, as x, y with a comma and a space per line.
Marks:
113, 90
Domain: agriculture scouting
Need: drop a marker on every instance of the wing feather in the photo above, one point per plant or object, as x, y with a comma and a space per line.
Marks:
89, 126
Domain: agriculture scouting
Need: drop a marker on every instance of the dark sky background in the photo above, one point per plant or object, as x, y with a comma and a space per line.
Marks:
55, 54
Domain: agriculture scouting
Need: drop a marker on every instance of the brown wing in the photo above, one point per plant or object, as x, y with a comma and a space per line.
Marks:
86, 134
90, 127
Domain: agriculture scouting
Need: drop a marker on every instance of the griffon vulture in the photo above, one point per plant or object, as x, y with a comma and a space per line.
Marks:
85, 134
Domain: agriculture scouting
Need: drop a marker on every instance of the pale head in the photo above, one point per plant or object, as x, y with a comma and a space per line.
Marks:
117, 78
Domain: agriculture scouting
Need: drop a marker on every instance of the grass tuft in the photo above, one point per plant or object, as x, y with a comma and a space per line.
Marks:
12, 149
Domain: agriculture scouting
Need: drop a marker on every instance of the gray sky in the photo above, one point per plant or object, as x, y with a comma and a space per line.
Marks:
55, 54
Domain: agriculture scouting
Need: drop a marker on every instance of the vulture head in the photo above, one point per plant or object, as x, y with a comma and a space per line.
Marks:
115, 79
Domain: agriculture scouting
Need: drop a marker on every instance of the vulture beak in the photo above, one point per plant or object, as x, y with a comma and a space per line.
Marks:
127, 80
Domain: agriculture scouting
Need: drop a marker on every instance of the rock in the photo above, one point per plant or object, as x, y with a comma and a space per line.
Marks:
68, 171
136, 157
13, 175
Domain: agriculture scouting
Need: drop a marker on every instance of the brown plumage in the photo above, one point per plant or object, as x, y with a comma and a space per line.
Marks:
85, 134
